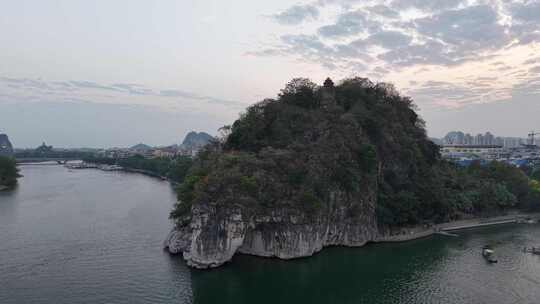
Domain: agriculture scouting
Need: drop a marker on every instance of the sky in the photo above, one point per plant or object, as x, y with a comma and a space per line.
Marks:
115, 73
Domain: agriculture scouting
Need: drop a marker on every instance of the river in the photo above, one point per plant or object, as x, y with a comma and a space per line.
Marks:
88, 236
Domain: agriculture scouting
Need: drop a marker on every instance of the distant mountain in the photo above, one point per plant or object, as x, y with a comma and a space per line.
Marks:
141, 147
326, 166
436, 141
6, 149
194, 140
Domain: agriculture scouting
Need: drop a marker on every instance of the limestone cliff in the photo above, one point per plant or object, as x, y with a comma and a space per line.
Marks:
194, 140
213, 234
301, 172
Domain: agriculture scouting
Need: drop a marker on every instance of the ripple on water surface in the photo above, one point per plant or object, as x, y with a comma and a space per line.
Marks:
87, 236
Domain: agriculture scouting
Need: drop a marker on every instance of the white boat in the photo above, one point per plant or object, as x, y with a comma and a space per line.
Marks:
489, 254
533, 250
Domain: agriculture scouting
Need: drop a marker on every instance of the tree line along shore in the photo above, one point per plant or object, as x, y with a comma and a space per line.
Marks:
8, 173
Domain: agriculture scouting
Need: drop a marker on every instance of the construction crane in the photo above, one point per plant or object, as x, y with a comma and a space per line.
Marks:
531, 137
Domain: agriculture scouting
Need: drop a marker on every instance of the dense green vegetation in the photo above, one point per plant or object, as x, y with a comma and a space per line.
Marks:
8, 172
44, 153
173, 168
358, 139
533, 200
449, 192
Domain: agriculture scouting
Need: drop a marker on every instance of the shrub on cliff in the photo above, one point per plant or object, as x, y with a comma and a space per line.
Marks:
8, 172
359, 139
532, 202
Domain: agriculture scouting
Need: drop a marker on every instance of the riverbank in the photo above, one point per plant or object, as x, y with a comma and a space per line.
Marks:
172, 169
145, 172
104, 167
414, 233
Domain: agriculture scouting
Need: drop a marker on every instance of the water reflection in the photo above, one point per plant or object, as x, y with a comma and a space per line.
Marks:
93, 237
180, 276
435, 270
336, 275
88, 236
8, 204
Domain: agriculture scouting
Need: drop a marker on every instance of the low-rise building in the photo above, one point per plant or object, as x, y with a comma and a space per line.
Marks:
478, 151
192, 152
165, 152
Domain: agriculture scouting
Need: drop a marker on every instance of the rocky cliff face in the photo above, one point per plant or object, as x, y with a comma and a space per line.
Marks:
6, 149
196, 140
319, 166
213, 234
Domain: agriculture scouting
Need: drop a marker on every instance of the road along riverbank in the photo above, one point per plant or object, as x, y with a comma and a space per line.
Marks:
418, 232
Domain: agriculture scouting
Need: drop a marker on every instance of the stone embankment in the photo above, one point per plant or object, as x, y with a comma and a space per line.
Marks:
211, 237
413, 233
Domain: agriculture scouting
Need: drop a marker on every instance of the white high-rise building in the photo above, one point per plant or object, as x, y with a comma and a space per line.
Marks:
488, 138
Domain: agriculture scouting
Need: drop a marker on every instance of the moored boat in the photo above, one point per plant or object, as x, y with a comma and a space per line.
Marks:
489, 254
533, 250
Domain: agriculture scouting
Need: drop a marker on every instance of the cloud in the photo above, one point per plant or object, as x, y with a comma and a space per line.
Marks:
525, 21
528, 87
134, 89
297, 14
427, 5
310, 48
430, 52
76, 89
531, 61
525, 12
535, 70
210, 99
349, 24
378, 72
93, 85
449, 32
178, 93
26, 83
383, 10
504, 68
488, 79
445, 37
447, 94
390, 39
469, 29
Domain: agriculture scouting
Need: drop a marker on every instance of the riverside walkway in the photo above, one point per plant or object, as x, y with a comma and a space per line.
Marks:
413, 233
475, 225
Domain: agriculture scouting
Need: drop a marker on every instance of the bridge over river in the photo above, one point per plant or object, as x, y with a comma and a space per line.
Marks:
37, 160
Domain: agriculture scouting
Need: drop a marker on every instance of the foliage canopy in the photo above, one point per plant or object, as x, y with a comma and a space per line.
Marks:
8, 172
368, 140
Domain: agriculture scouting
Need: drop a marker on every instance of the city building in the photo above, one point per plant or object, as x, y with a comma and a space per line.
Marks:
472, 151
460, 138
165, 152
489, 139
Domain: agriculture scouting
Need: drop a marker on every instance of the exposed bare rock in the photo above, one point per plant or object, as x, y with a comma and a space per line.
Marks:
215, 233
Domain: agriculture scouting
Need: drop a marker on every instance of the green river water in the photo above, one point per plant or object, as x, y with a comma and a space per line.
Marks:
87, 236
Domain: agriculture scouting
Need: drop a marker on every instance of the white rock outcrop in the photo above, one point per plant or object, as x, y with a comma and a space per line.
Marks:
213, 234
